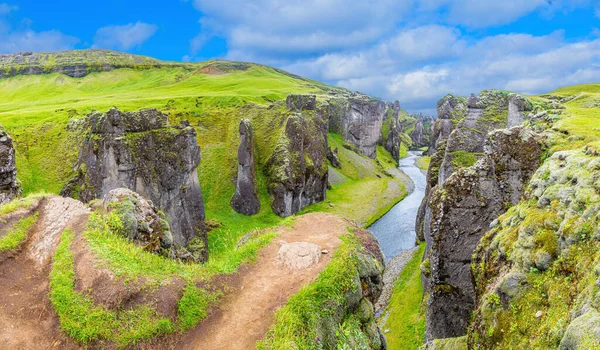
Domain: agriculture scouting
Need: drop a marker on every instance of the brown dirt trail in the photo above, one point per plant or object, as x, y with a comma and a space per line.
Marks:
27, 320
247, 310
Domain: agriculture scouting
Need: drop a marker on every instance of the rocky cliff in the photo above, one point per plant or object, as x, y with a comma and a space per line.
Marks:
469, 184
297, 169
461, 212
361, 124
245, 199
139, 151
536, 270
393, 140
422, 132
9, 186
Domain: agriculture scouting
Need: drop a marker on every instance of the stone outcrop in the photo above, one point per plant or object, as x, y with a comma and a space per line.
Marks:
9, 185
299, 103
462, 208
393, 140
451, 110
459, 134
140, 152
361, 124
421, 134
297, 169
142, 222
549, 239
245, 199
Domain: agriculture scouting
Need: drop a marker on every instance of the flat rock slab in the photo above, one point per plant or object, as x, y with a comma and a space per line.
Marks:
299, 255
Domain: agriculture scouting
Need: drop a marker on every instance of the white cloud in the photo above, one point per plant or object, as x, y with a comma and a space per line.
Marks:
30, 40
6, 8
287, 27
412, 50
27, 39
124, 37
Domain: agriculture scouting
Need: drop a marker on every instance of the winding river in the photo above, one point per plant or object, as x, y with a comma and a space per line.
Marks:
396, 229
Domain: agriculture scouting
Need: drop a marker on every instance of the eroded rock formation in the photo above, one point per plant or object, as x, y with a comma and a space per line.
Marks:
421, 134
462, 209
9, 185
245, 199
297, 169
361, 124
393, 139
140, 152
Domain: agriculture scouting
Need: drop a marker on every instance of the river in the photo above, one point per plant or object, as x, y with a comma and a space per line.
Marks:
396, 229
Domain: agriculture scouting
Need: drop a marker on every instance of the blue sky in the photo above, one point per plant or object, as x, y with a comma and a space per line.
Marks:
414, 51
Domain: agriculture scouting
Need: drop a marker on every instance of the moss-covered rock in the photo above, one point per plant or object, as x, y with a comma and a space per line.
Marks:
462, 209
9, 185
297, 169
140, 152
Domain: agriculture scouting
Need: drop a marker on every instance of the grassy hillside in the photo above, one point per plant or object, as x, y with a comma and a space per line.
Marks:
40, 110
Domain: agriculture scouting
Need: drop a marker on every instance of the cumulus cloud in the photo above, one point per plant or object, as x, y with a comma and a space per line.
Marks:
124, 37
292, 27
415, 51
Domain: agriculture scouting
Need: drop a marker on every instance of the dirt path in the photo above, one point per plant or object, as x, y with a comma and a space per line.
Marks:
27, 320
247, 310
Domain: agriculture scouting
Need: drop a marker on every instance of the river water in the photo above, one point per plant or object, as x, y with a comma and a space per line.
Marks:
396, 229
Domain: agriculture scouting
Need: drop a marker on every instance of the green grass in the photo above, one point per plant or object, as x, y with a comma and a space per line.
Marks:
130, 261
296, 324
17, 234
20, 203
406, 321
423, 162
84, 321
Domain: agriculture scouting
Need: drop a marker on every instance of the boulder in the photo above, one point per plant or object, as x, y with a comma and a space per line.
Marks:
299, 255
143, 223
9, 185
140, 152
334, 158
245, 199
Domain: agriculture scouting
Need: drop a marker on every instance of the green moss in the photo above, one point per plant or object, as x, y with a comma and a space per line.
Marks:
17, 234
464, 159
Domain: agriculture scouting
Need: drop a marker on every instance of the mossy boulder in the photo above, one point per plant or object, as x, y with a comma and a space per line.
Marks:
140, 221
140, 152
